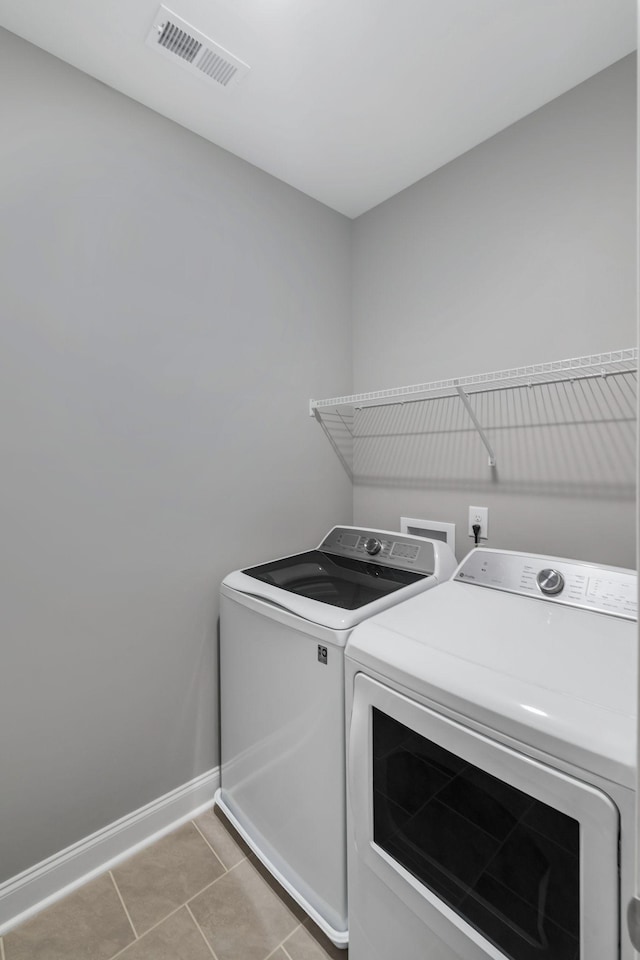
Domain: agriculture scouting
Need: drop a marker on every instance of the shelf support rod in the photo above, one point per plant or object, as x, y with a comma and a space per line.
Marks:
465, 400
316, 413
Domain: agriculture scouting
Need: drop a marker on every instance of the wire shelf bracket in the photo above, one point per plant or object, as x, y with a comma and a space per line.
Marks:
477, 425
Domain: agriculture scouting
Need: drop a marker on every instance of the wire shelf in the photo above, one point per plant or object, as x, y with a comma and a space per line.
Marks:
337, 415
577, 368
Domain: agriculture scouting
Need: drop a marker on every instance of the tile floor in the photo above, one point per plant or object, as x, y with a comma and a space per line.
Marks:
195, 894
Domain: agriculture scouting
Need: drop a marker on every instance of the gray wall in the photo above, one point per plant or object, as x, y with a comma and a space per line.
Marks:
521, 251
167, 311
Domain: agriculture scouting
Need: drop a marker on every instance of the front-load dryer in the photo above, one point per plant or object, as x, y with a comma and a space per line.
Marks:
492, 764
283, 628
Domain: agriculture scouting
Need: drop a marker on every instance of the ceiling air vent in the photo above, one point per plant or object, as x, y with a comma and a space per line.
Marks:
173, 37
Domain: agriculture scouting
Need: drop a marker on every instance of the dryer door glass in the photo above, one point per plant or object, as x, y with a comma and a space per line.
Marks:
507, 863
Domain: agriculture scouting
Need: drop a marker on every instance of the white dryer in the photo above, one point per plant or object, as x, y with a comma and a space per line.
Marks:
492, 764
283, 629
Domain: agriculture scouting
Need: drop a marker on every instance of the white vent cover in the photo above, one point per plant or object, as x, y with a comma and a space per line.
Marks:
175, 38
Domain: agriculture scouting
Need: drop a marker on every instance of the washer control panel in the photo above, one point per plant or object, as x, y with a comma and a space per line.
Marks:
378, 546
609, 590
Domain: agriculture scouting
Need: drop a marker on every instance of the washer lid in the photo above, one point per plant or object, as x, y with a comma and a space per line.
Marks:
558, 678
354, 573
311, 586
338, 581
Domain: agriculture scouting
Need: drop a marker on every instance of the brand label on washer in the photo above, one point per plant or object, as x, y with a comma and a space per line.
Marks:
322, 653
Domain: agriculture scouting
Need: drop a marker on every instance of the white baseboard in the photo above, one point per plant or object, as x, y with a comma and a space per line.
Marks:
48, 881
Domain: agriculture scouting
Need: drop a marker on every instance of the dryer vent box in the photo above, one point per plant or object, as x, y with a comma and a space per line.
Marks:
433, 529
177, 40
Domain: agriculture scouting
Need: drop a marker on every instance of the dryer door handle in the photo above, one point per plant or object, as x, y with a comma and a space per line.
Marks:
358, 766
633, 922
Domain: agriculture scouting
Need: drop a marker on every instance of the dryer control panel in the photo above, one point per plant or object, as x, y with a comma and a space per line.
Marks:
611, 590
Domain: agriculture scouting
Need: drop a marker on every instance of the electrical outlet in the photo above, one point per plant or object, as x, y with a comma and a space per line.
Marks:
479, 515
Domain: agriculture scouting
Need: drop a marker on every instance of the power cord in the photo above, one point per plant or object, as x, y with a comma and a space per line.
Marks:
476, 533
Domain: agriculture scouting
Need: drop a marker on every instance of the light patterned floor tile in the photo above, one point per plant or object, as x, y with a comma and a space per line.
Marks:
228, 846
244, 914
89, 924
176, 938
310, 944
241, 916
164, 876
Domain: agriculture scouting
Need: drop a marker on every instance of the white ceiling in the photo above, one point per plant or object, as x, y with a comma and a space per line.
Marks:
349, 101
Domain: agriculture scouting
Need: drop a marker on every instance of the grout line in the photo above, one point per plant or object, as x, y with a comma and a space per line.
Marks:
275, 950
166, 917
209, 885
124, 906
200, 931
281, 945
143, 935
186, 904
120, 952
177, 909
224, 867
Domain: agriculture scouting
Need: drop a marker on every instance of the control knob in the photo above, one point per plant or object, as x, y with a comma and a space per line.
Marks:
372, 545
550, 581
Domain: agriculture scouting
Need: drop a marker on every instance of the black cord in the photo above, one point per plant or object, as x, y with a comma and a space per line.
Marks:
476, 532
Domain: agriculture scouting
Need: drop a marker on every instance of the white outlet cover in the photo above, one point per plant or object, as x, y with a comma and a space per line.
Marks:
479, 515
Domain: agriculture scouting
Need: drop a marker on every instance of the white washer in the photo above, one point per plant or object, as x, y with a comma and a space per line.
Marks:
283, 628
492, 763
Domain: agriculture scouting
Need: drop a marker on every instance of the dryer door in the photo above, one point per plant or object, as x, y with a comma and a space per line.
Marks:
497, 854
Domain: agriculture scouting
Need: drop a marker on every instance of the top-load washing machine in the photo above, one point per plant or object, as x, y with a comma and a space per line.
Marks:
283, 628
492, 764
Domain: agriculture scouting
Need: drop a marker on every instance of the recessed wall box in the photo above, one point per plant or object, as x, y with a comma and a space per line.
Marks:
434, 529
